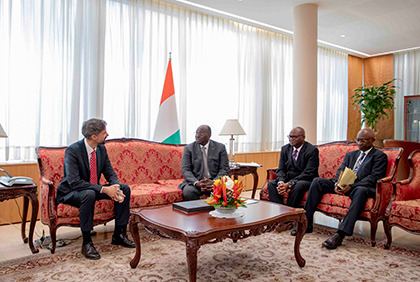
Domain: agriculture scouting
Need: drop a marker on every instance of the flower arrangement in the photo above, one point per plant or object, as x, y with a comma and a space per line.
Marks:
226, 193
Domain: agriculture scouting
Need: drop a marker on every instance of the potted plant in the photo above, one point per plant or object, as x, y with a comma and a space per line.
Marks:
373, 102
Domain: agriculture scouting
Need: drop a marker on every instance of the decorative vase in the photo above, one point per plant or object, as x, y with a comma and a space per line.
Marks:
222, 212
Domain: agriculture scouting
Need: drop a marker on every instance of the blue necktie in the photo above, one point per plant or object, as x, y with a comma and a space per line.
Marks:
359, 162
294, 156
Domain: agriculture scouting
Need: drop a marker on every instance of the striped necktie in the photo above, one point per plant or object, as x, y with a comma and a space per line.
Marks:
93, 172
359, 162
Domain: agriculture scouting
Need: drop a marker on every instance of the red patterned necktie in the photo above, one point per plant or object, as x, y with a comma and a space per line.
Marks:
294, 156
93, 174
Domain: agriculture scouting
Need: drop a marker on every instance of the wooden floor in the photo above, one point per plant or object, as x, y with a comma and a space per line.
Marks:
12, 246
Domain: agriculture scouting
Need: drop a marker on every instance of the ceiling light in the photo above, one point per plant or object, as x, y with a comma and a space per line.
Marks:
343, 35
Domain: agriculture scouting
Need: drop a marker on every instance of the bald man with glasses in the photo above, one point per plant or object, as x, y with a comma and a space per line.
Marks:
298, 166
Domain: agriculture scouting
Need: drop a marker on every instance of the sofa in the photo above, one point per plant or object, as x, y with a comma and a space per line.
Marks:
404, 209
152, 170
331, 155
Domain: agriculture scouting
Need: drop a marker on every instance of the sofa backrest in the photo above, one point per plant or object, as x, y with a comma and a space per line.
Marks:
331, 155
141, 161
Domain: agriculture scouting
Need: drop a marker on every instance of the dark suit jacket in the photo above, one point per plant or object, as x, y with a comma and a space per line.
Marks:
192, 162
77, 169
372, 169
306, 167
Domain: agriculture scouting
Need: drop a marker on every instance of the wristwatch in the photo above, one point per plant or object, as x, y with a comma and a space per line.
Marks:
291, 183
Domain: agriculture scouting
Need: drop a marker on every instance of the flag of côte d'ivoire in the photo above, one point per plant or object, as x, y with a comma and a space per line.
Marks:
167, 128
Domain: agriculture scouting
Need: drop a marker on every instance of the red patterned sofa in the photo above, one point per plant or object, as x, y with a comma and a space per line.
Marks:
331, 155
404, 210
152, 170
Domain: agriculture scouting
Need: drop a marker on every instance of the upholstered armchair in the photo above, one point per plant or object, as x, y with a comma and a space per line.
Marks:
331, 155
50, 163
404, 210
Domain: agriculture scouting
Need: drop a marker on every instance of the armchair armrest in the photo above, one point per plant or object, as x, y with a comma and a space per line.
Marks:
407, 189
51, 208
384, 192
271, 174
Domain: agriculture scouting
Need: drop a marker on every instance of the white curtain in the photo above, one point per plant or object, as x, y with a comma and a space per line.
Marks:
51, 75
66, 61
407, 73
221, 69
332, 100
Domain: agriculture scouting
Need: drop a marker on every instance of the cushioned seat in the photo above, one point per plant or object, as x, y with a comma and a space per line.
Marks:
404, 210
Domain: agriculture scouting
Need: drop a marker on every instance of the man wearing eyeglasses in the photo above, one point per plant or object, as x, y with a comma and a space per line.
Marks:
203, 161
369, 164
298, 166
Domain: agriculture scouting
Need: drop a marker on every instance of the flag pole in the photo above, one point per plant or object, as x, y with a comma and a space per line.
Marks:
170, 58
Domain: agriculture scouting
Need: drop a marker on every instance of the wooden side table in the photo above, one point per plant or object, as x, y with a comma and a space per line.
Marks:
245, 169
28, 192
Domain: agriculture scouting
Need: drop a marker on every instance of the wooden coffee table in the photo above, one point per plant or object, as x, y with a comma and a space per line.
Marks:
201, 228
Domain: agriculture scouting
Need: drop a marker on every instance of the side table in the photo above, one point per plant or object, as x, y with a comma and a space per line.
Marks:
243, 169
28, 192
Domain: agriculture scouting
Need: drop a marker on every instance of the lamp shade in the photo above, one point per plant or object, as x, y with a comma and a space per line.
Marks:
232, 127
2, 133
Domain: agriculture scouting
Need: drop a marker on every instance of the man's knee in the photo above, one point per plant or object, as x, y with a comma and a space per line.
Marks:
362, 192
88, 196
272, 185
301, 187
125, 189
190, 193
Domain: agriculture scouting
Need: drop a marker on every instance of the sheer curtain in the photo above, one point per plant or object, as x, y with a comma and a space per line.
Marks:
51, 72
66, 61
332, 100
221, 69
407, 73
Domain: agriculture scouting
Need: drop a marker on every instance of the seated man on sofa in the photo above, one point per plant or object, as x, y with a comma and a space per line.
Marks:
84, 162
298, 166
369, 165
203, 161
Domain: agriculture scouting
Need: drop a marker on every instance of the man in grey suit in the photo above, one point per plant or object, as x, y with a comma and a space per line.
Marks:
199, 174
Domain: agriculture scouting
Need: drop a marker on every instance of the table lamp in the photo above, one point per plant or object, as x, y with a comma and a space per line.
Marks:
2, 133
232, 127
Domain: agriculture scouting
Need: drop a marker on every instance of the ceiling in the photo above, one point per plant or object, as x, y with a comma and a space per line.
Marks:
371, 27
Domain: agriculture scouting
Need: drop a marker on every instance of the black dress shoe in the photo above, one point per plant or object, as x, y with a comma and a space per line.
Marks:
90, 252
309, 229
122, 240
333, 242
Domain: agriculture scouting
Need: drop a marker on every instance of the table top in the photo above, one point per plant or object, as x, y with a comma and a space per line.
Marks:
256, 213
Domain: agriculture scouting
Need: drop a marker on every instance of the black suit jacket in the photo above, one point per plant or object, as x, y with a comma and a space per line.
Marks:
306, 167
77, 169
372, 169
192, 162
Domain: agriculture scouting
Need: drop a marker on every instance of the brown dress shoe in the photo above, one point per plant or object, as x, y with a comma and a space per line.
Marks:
309, 229
122, 240
333, 242
90, 252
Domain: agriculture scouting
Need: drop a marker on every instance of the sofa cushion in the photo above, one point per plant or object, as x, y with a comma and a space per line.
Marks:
406, 209
151, 194
331, 156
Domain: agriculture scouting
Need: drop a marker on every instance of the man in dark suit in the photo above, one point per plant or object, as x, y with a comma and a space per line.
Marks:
370, 165
298, 166
199, 174
84, 162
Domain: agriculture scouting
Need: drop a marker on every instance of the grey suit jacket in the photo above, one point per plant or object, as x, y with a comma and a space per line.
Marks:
192, 162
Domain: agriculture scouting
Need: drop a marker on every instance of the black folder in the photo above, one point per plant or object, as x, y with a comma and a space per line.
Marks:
192, 206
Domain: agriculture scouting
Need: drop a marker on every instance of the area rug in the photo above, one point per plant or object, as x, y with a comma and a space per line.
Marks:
268, 257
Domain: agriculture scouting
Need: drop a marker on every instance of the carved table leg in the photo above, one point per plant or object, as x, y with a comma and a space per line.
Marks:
134, 229
35, 205
254, 188
192, 248
301, 228
24, 215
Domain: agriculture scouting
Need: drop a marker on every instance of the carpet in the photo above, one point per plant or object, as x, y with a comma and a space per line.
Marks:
267, 257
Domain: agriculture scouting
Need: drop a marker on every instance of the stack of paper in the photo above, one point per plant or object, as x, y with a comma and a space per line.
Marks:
347, 177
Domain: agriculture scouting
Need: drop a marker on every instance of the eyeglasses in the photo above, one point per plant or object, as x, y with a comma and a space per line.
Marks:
293, 136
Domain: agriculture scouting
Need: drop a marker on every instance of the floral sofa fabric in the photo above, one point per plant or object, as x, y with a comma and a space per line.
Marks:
331, 155
152, 170
404, 210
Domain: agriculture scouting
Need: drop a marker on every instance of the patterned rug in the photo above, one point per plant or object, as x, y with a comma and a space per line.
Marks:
267, 257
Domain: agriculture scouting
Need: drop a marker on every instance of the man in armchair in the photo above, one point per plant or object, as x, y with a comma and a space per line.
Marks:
369, 165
